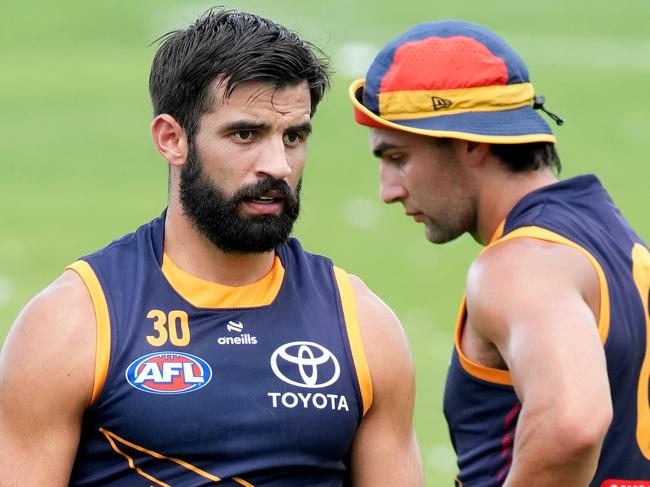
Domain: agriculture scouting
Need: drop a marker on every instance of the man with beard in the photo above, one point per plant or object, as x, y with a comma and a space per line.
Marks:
207, 346
552, 338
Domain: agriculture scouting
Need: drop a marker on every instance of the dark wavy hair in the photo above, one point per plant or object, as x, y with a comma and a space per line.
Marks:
236, 47
528, 157
519, 157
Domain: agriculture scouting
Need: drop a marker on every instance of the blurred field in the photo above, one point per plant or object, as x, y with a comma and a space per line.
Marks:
78, 167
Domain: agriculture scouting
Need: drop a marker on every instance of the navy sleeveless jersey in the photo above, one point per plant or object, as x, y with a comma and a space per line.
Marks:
480, 403
194, 389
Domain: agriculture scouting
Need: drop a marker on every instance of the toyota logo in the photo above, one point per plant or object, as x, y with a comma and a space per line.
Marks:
305, 364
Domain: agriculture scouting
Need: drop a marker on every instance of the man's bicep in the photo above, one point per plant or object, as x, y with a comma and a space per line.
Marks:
558, 350
46, 369
385, 450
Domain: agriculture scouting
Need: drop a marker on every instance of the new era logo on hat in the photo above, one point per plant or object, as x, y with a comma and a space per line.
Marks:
440, 103
451, 79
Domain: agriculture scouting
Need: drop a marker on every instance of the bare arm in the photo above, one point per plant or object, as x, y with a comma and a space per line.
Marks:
46, 378
535, 301
385, 450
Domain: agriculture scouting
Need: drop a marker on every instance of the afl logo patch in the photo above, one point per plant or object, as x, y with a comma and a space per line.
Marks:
168, 373
305, 364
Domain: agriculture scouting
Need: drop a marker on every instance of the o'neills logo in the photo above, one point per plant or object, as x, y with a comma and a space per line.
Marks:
241, 339
245, 339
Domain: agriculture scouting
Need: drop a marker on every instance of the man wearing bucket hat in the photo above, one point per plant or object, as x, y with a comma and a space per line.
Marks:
548, 381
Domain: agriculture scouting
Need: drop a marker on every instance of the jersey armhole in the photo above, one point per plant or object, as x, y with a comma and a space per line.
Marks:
487, 374
102, 323
349, 305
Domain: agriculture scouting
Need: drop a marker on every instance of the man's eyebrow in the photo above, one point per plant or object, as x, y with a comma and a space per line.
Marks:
248, 125
244, 125
378, 151
305, 128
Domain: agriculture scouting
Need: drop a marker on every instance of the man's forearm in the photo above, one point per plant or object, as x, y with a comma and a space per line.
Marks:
549, 453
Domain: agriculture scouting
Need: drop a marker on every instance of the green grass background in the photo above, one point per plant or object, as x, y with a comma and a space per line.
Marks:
78, 167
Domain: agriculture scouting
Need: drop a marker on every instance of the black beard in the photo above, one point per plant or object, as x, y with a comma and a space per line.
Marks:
219, 218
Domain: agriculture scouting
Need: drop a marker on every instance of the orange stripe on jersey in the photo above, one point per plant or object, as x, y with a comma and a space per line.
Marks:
102, 324
132, 463
154, 454
207, 294
242, 482
482, 372
498, 232
641, 274
348, 302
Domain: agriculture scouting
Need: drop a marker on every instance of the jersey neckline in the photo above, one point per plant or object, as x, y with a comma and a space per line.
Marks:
207, 294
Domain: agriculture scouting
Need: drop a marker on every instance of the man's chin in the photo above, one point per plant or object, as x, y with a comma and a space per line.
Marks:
439, 236
256, 235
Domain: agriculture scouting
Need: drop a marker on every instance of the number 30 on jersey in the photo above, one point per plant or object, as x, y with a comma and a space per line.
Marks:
173, 327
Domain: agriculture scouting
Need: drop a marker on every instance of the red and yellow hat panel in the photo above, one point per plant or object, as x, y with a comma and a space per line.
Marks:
451, 79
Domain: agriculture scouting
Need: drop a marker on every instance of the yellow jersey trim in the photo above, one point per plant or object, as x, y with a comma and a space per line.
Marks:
207, 294
131, 462
641, 275
475, 369
494, 139
503, 376
112, 437
413, 104
498, 231
348, 303
242, 482
102, 324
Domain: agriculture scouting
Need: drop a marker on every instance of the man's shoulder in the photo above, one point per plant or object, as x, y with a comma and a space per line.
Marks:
524, 275
379, 323
526, 258
67, 291
57, 325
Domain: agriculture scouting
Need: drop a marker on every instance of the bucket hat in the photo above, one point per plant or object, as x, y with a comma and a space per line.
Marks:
452, 79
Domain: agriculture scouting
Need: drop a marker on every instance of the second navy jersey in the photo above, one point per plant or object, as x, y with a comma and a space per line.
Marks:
480, 403
196, 383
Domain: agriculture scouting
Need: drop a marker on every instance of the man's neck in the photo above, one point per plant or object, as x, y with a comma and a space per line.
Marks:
501, 193
195, 254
